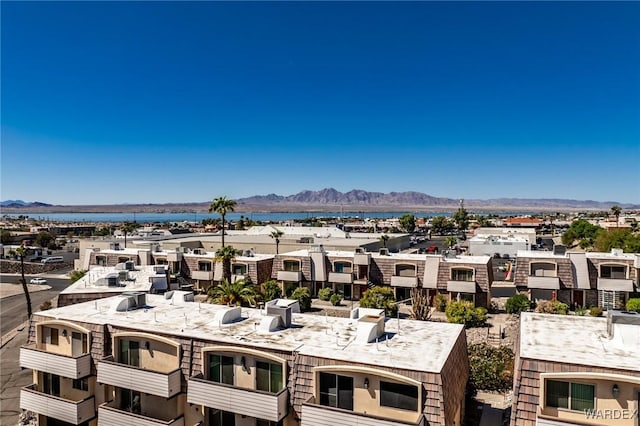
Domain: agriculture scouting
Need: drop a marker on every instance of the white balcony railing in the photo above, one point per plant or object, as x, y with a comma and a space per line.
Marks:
320, 415
109, 415
548, 283
74, 412
73, 367
293, 276
341, 277
398, 281
248, 402
139, 379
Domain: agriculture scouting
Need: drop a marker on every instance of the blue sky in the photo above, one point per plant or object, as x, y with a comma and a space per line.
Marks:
174, 102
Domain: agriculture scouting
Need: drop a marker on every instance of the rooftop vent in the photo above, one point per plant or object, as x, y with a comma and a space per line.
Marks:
360, 250
623, 328
179, 297
283, 309
129, 265
559, 250
384, 251
228, 315
370, 327
131, 300
198, 251
617, 251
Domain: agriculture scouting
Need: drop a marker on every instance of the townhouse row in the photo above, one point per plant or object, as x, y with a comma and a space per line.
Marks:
143, 360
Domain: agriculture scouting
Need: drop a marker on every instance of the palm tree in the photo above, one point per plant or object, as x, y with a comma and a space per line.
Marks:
222, 205
127, 228
22, 252
226, 255
233, 294
616, 210
384, 238
276, 236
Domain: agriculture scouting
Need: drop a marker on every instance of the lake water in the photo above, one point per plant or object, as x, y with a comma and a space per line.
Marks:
197, 217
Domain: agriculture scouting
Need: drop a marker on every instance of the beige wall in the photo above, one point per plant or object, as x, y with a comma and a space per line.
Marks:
627, 400
161, 356
66, 387
245, 378
64, 343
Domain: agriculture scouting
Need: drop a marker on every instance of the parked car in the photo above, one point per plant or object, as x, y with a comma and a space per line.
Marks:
432, 249
38, 281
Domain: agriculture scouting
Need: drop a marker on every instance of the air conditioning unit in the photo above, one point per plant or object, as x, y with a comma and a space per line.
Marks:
384, 251
198, 251
359, 250
129, 265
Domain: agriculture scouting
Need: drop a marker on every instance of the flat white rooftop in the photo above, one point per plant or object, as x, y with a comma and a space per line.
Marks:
575, 340
93, 281
539, 254
412, 345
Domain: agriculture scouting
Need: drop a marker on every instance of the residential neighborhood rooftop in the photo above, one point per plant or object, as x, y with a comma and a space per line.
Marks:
407, 344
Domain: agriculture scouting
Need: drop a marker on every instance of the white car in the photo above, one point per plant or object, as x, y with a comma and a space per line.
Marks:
38, 281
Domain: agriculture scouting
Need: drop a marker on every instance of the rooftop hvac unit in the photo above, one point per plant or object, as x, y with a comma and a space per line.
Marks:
198, 251
559, 249
123, 276
139, 298
129, 265
359, 250
384, 251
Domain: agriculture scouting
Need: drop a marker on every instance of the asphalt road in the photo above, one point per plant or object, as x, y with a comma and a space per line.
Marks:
13, 309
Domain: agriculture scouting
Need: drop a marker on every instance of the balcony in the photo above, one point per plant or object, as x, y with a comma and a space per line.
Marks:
139, 379
74, 412
398, 281
340, 277
320, 415
202, 275
62, 365
361, 259
461, 286
109, 415
293, 276
547, 283
248, 402
615, 284
174, 256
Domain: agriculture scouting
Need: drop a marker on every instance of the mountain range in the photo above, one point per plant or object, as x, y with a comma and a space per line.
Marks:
330, 199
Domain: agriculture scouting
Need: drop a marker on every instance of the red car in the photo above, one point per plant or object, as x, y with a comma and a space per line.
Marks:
432, 249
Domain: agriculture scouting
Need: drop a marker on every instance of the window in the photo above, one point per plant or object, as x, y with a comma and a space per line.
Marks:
101, 261
269, 377
336, 391
543, 270
130, 401
81, 384
204, 266
49, 336
572, 396
342, 267
397, 395
51, 384
613, 271
79, 343
239, 269
291, 265
221, 418
220, 369
405, 270
462, 275
609, 299
129, 353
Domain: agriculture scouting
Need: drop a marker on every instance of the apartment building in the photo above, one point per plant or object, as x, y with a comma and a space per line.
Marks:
162, 360
572, 370
459, 277
578, 279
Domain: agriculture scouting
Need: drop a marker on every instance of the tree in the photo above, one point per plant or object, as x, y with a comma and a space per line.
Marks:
407, 222
222, 205
517, 303
451, 241
226, 255
276, 236
384, 238
240, 293
43, 239
580, 230
22, 252
5, 237
271, 290
618, 238
420, 309
461, 219
380, 298
490, 369
127, 228
616, 210
441, 225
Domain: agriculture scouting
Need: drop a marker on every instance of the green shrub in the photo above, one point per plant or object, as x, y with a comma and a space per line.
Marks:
517, 303
580, 311
633, 305
552, 307
595, 311
441, 302
303, 296
336, 299
380, 298
325, 294
464, 312
490, 369
271, 290
76, 275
